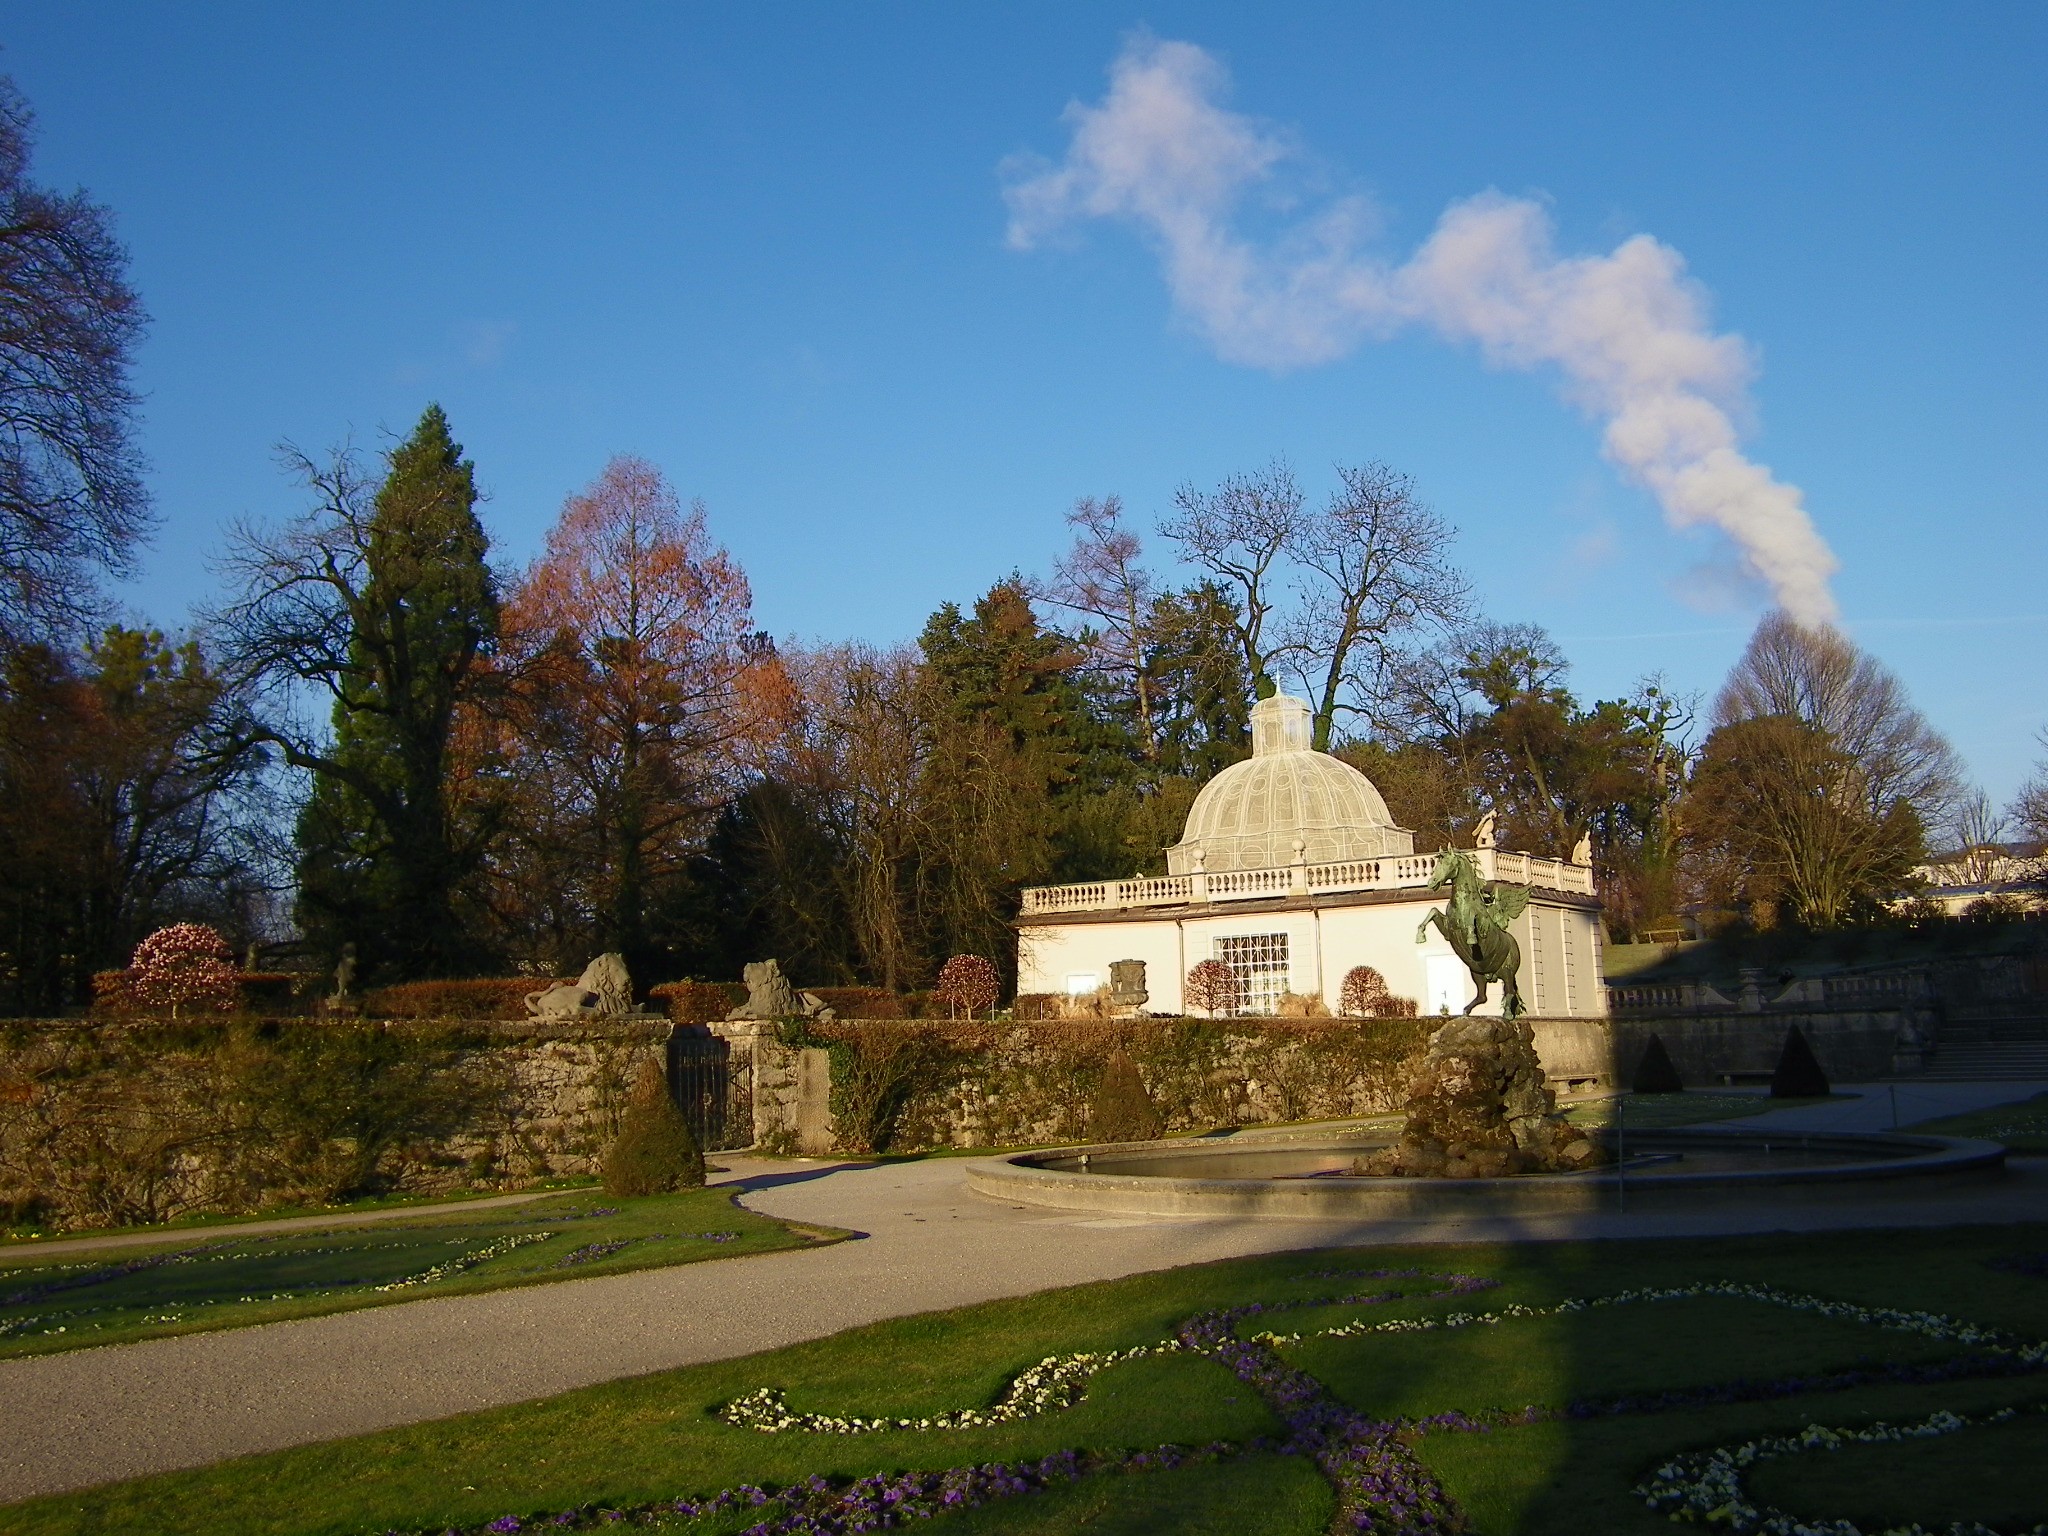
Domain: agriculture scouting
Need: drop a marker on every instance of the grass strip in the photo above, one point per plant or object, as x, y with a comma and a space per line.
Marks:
69, 1301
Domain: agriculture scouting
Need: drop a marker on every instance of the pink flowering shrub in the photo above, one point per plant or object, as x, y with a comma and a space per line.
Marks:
969, 982
184, 963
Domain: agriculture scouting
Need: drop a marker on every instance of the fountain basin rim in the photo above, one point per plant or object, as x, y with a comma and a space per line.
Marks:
1891, 1163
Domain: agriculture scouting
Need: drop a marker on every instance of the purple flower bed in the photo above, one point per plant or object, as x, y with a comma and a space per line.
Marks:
818, 1507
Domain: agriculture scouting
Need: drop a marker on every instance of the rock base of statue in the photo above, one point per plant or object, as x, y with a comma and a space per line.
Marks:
1478, 1109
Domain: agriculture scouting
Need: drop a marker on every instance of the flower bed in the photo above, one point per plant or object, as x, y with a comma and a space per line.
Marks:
1707, 1486
1381, 1485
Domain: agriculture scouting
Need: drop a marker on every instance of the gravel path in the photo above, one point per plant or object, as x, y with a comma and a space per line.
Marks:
1874, 1105
97, 1415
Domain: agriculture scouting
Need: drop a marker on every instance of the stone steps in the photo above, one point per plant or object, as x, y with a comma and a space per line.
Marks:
1987, 1061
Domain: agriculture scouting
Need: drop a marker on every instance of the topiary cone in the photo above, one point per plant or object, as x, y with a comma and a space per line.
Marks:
1123, 1110
655, 1151
1799, 1075
1656, 1072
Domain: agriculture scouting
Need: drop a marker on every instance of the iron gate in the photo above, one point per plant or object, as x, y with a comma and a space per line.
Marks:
701, 1079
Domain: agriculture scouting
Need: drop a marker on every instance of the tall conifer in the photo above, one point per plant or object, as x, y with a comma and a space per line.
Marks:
381, 856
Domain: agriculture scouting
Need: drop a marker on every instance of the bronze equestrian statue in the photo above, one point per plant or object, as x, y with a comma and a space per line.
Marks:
1476, 925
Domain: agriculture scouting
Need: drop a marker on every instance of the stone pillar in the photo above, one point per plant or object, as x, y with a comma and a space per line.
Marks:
814, 1102
1750, 999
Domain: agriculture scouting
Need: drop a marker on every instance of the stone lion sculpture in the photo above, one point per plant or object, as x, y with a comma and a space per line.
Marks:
604, 990
770, 996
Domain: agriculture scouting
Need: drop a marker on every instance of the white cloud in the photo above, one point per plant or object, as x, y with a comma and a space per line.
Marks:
485, 342
1628, 333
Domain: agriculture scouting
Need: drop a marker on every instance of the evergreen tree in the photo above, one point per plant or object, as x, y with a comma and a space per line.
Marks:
1004, 724
383, 599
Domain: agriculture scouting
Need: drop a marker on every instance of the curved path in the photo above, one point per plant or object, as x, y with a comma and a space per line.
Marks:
97, 1415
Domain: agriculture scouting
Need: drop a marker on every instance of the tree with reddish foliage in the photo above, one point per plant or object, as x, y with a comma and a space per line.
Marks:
184, 963
637, 694
969, 982
1365, 989
1214, 988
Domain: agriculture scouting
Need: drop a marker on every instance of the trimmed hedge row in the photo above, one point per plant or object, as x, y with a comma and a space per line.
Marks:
278, 993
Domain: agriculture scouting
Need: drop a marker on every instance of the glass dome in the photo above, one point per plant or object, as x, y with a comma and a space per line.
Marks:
1286, 803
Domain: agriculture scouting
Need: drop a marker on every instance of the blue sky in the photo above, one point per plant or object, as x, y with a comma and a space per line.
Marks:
765, 247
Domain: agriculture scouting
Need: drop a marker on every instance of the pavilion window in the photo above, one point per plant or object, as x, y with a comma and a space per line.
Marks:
1259, 962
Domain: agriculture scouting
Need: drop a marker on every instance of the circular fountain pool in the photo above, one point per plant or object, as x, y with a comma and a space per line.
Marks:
1311, 1174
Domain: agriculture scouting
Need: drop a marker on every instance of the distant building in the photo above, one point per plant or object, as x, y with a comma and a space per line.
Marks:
2014, 873
1291, 872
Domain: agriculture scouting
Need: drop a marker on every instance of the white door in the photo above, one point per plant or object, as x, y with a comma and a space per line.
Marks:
1448, 985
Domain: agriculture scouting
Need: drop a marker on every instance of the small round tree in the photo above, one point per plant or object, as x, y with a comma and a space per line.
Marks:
1364, 989
184, 963
1213, 987
969, 982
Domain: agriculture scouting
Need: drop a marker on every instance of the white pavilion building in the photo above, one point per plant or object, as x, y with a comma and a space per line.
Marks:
1291, 872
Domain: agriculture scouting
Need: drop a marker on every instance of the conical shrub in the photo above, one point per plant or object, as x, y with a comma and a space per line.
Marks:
1656, 1072
655, 1151
1123, 1110
1799, 1075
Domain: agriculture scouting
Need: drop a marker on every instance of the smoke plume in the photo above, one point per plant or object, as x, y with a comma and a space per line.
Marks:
1628, 332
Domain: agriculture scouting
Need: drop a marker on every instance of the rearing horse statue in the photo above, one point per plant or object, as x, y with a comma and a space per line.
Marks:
1476, 926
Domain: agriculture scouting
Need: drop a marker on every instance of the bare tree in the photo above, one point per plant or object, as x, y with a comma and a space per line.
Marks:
1370, 572
71, 494
2030, 807
1979, 828
1239, 533
1334, 596
1102, 580
1777, 824
1815, 789
1819, 677
856, 751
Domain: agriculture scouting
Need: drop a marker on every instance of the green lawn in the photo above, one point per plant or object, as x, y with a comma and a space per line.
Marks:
2023, 1127
215, 1278
1661, 1111
1742, 1365
12, 1236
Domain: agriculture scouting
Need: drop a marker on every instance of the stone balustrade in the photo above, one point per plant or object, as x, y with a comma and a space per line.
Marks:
1392, 873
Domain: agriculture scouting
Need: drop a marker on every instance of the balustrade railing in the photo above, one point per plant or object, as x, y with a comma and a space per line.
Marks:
1392, 872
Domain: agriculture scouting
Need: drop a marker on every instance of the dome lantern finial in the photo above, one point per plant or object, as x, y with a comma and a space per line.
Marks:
1280, 724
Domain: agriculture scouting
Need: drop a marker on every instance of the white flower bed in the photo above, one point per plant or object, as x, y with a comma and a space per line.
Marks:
456, 1266
1706, 1487
1059, 1381
1056, 1382
1932, 1325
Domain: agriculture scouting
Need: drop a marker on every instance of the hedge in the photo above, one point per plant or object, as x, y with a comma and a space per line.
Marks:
270, 994
490, 997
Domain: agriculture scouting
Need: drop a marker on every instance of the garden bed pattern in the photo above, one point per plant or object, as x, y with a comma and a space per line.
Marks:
1381, 1485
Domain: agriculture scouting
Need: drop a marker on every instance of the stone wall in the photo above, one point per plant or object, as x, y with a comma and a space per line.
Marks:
116, 1123
901, 1086
1711, 1049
